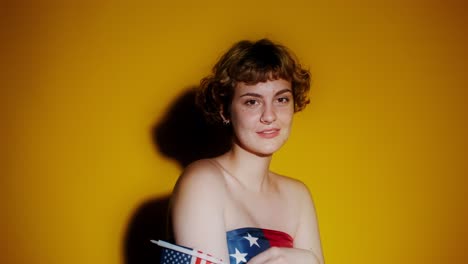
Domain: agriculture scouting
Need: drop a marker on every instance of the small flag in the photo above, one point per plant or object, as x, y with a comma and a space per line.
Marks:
174, 254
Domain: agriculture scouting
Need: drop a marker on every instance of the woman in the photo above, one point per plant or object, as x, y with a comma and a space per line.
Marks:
232, 206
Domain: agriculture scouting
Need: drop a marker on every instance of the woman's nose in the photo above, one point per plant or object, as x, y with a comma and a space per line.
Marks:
268, 115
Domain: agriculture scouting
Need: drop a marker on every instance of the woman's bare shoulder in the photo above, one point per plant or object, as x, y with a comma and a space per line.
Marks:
203, 170
290, 183
200, 176
292, 187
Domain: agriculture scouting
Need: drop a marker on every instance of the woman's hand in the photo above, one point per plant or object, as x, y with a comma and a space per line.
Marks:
277, 255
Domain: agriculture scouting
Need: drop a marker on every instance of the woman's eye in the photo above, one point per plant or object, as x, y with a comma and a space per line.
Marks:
283, 100
251, 102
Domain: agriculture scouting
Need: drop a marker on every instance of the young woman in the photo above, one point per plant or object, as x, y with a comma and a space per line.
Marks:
232, 206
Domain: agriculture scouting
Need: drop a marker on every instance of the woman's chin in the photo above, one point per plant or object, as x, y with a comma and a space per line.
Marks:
265, 150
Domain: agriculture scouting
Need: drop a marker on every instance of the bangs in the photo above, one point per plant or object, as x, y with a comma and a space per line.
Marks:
253, 76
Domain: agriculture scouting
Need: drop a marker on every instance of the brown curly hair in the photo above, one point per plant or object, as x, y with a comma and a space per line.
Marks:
251, 63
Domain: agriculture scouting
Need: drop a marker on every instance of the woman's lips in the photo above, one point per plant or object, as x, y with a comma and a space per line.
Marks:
268, 133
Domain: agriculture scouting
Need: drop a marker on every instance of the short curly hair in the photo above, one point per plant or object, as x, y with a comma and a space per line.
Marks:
251, 63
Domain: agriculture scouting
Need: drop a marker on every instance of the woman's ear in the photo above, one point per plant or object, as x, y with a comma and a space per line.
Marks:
226, 121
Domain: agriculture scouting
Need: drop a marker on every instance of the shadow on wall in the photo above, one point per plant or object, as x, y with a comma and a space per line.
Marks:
185, 136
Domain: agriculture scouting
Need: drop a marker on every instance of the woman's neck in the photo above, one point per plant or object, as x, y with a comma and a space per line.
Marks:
249, 169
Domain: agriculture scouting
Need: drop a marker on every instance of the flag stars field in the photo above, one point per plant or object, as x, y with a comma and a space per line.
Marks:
240, 257
252, 240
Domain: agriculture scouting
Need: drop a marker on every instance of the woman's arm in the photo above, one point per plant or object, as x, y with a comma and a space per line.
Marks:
197, 210
307, 234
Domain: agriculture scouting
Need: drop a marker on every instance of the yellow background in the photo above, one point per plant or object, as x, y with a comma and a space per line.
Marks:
382, 146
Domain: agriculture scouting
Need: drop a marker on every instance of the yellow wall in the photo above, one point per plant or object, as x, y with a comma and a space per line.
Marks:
382, 146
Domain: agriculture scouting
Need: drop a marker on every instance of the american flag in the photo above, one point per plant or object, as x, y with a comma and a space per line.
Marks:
175, 254
246, 243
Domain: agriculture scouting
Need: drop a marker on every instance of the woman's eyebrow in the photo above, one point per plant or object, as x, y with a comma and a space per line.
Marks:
287, 90
251, 94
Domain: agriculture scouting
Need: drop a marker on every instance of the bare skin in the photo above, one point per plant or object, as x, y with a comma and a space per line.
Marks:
238, 190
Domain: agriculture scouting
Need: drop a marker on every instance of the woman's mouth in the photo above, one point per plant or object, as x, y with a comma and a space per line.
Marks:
269, 133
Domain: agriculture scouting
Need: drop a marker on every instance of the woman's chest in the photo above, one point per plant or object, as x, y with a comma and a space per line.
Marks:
274, 211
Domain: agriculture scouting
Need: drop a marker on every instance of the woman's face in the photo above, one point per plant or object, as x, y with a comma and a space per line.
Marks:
261, 115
